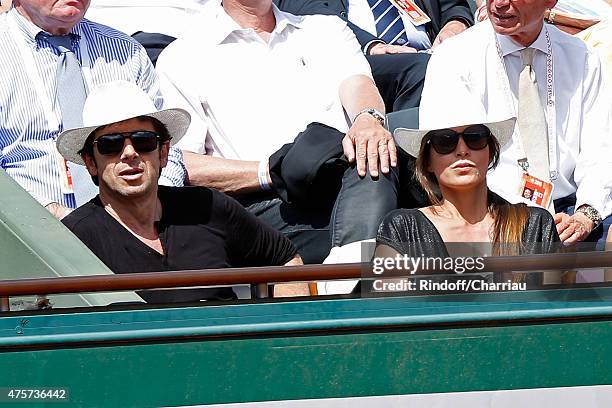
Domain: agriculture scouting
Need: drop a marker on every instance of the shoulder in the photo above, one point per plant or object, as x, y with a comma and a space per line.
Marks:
471, 41
572, 50
104, 35
404, 214
172, 60
185, 199
400, 219
562, 39
538, 215
200, 202
83, 218
320, 22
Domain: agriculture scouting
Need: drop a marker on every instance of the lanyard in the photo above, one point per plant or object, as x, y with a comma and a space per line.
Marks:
551, 122
52, 117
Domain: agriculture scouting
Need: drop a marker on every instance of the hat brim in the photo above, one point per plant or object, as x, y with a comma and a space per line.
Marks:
409, 140
72, 141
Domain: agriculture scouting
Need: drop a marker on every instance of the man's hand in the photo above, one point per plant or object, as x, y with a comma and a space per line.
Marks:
58, 210
382, 48
449, 30
574, 228
367, 141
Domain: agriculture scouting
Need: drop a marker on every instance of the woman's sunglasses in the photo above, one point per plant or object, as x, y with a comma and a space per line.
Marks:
143, 141
445, 141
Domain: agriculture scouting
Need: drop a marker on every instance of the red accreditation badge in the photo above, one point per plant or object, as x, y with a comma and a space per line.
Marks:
65, 175
412, 11
536, 190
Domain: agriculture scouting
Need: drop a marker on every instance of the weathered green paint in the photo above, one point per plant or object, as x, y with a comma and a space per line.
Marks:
363, 347
33, 244
239, 370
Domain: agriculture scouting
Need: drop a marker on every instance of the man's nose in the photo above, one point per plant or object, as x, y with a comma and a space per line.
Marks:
500, 3
128, 151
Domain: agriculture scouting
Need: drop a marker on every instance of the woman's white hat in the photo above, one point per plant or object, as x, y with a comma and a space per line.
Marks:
410, 139
115, 102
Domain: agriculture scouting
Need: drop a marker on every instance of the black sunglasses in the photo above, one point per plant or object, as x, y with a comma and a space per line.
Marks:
143, 141
445, 141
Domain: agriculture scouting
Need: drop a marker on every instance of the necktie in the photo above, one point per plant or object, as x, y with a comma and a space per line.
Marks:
532, 121
71, 96
389, 25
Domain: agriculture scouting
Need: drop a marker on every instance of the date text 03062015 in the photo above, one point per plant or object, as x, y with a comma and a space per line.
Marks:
15, 394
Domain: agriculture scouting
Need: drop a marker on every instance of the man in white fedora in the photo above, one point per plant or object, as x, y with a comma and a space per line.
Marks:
134, 225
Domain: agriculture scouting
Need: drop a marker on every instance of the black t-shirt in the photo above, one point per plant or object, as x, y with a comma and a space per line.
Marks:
200, 228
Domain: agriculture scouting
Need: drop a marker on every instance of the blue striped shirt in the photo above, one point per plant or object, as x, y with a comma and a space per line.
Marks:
27, 135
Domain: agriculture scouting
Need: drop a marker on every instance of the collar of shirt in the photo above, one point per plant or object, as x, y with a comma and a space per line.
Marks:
227, 25
508, 46
30, 30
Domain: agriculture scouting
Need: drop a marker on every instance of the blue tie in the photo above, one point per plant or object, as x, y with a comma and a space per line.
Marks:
71, 96
389, 25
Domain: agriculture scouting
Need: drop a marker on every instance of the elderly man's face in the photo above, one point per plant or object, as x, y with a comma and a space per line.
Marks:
520, 19
128, 173
55, 16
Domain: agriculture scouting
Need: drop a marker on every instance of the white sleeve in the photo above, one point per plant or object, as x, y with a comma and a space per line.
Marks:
593, 173
345, 54
179, 87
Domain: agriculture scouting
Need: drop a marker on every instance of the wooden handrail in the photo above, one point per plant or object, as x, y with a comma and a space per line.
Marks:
305, 273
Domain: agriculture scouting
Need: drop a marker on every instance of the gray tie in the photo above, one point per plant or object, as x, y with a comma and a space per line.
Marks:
532, 121
71, 96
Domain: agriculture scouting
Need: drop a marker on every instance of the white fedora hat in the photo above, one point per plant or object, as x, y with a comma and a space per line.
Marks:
410, 139
115, 102
470, 111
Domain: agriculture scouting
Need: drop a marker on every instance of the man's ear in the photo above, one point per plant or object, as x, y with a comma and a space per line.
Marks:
90, 163
163, 154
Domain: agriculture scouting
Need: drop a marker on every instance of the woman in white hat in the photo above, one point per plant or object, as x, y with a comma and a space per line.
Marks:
451, 166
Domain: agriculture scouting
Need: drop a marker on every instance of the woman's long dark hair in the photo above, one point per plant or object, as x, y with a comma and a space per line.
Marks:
509, 220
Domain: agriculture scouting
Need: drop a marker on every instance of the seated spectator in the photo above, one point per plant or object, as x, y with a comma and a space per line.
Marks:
399, 77
390, 38
452, 165
590, 21
267, 79
517, 65
134, 225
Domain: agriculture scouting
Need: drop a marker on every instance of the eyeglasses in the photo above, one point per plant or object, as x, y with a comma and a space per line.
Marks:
445, 141
143, 141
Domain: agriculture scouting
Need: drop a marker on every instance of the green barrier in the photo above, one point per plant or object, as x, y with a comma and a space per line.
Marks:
312, 350
33, 244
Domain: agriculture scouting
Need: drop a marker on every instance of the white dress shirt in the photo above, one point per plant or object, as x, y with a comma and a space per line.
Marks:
469, 66
360, 14
169, 17
247, 97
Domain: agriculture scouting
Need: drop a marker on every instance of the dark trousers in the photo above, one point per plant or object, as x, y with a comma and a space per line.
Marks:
353, 215
399, 78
